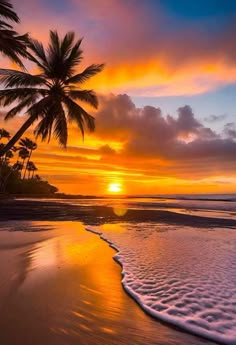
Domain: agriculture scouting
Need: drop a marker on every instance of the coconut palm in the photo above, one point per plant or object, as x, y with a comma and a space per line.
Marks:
23, 154
18, 166
50, 96
31, 168
30, 146
12, 44
8, 155
4, 134
4, 160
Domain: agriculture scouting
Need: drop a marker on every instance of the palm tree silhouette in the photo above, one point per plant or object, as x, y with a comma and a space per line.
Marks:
31, 168
51, 95
30, 146
23, 154
4, 134
12, 44
17, 166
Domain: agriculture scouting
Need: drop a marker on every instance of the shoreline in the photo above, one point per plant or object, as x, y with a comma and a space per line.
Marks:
149, 311
64, 288
55, 214
97, 215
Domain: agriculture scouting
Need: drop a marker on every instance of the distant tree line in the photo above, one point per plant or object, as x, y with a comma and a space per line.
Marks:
18, 170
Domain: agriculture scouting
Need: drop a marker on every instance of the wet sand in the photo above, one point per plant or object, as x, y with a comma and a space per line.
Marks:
60, 286
53, 210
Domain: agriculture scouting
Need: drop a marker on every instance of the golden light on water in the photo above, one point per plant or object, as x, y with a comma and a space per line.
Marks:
120, 211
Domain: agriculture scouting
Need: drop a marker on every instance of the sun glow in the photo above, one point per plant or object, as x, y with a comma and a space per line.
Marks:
114, 188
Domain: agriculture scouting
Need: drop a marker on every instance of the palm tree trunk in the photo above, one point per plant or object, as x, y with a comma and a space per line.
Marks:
23, 163
27, 164
18, 135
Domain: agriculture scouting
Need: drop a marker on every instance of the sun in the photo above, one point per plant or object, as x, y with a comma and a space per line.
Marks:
114, 188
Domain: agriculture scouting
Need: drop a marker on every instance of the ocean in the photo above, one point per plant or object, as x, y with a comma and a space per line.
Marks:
183, 275
204, 205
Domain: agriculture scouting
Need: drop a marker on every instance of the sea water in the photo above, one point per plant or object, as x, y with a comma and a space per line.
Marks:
183, 275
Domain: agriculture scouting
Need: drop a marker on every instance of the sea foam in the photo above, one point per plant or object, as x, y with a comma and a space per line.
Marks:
186, 277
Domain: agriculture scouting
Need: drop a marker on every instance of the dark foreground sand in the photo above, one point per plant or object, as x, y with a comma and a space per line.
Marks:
60, 286
12, 209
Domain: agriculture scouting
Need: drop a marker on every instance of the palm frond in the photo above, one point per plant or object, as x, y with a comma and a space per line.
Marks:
89, 72
5, 25
87, 96
13, 78
7, 11
44, 128
13, 45
73, 60
60, 127
54, 47
54, 120
38, 50
21, 106
67, 42
40, 108
8, 96
79, 115
28, 143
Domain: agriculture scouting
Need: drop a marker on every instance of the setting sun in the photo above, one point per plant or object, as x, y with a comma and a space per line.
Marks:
114, 188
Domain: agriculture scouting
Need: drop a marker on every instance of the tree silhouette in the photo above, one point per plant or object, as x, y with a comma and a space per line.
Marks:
4, 134
30, 146
50, 96
23, 154
12, 44
31, 168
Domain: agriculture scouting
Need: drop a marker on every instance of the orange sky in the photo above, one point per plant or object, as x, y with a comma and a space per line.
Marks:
142, 149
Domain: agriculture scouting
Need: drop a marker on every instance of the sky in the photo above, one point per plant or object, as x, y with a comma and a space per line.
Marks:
166, 119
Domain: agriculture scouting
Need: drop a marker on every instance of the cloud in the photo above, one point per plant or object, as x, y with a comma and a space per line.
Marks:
147, 51
230, 130
147, 134
215, 118
141, 148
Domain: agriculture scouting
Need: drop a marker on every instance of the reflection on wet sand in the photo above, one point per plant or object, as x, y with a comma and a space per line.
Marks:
60, 287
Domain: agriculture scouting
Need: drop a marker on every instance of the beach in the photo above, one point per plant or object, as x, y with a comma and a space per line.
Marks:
60, 285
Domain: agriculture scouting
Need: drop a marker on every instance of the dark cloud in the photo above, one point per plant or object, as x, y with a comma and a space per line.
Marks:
147, 133
106, 150
215, 118
230, 130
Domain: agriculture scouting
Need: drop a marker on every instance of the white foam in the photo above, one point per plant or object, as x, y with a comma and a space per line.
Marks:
183, 276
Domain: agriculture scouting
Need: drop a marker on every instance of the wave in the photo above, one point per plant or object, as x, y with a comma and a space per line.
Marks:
185, 277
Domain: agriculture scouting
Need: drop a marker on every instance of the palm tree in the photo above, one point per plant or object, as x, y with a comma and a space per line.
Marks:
4, 134
51, 95
4, 160
31, 167
8, 155
30, 146
12, 44
23, 154
17, 167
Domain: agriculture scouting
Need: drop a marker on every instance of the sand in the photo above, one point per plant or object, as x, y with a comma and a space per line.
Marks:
13, 209
60, 286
